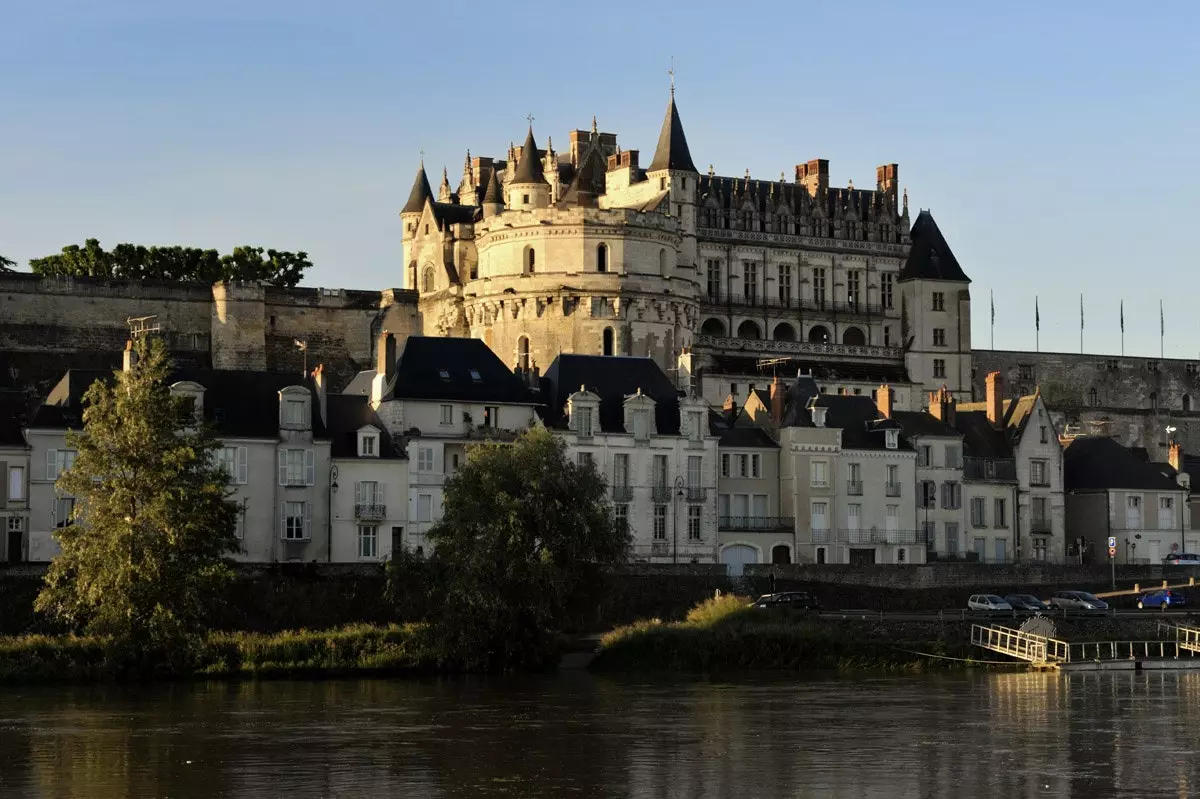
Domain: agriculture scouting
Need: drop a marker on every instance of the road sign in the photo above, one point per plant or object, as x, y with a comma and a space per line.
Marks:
1112, 552
1112, 542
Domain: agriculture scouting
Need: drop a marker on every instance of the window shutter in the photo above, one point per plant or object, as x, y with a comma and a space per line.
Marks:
358, 493
310, 469
282, 467
307, 519
5, 478
243, 465
379, 493
50, 461
282, 519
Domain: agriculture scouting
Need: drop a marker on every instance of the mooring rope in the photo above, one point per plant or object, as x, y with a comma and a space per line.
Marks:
963, 660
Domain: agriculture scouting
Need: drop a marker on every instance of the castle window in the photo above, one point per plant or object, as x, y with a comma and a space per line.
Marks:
1187, 402
1093, 397
602, 258
525, 199
427, 279
887, 289
529, 261
426, 230
1153, 401
939, 301
662, 184
662, 262
714, 279
939, 337
750, 282
608, 341
939, 367
523, 352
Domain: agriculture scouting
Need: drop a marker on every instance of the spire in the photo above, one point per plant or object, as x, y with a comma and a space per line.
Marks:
444, 187
421, 192
672, 150
529, 166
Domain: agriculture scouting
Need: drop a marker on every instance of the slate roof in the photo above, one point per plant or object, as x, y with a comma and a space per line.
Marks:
494, 193
1098, 463
980, 438
672, 150
13, 412
612, 378
745, 437
1015, 413
921, 423
529, 168
779, 196
859, 420
436, 368
453, 214
237, 404
421, 191
346, 414
795, 402
930, 257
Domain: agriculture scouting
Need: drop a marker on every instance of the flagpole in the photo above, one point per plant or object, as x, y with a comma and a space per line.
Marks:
1162, 331
993, 298
1122, 328
1081, 324
1037, 325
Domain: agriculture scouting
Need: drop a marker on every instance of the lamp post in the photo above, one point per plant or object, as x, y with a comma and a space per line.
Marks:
675, 522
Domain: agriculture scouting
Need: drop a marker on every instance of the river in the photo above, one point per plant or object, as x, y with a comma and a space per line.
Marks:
575, 735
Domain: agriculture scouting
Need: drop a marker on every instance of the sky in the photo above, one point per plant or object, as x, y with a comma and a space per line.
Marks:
1054, 143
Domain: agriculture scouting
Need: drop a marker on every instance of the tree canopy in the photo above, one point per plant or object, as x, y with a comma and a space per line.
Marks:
143, 555
188, 264
6, 264
525, 535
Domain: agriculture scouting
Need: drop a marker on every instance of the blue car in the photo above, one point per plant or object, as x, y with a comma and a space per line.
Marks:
1161, 598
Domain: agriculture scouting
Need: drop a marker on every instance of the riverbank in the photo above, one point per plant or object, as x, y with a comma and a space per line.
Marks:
726, 635
357, 649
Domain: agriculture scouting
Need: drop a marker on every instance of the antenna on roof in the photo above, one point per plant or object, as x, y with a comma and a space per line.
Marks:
764, 363
141, 325
303, 347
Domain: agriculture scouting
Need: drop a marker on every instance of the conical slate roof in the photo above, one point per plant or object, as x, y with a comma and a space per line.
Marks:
494, 194
529, 169
930, 257
421, 192
672, 150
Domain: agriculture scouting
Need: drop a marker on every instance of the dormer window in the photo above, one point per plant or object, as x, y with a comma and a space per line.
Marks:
444, 374
368, 443
475, 376
641, 424
892, 438
192, 396
818, 417
294, 408
695, 426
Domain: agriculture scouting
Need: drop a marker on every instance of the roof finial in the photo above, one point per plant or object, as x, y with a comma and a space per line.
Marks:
671, 72
711, 171
906, 199
422, 158
850, 184
594, 128
530, 118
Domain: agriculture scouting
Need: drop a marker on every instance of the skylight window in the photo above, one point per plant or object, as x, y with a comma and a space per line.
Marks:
475, 375
444, 374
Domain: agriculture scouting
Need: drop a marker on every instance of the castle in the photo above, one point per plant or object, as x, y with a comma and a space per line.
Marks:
723, 281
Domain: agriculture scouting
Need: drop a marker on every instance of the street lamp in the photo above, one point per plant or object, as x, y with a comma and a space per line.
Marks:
675, 521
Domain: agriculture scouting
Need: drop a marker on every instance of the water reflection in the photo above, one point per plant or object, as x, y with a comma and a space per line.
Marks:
1004, 735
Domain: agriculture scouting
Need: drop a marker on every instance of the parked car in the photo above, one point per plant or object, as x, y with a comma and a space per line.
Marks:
987, 602
789, 600
1182, 559
1077, 600
1027, 602
1161, 598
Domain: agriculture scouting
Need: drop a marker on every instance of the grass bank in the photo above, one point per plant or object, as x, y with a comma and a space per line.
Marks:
726, 634
358, 649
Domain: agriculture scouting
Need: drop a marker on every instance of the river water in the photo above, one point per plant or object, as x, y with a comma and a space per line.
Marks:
575, 735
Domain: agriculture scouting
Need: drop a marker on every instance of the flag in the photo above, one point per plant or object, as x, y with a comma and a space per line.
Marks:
1122, 316
1037, 316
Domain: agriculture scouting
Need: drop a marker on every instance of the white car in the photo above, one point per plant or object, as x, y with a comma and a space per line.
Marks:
987, 602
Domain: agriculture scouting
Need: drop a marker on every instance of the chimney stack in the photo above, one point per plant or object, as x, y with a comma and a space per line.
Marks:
318, 376
995, 403
729, 408
129, 357
942, 405
385, 356
884, 398
1175, 456
777, 401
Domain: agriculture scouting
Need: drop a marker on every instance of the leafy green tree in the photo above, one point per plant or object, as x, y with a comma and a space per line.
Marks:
6, 264
526, 534
187, 264
143, 558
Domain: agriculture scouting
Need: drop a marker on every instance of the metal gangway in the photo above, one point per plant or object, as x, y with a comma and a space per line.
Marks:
1040, 650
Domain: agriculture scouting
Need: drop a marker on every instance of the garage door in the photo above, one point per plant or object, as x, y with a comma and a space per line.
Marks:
736, 556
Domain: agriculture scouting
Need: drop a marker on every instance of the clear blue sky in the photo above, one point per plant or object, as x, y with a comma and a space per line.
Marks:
1055, 143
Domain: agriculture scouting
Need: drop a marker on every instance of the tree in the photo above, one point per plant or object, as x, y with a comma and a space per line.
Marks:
6, 264
525, 535
184, 264
143, 557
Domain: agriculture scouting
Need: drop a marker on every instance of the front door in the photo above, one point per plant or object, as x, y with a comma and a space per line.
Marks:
981, 549
1153, 551
16, 546
736, 557
862, 557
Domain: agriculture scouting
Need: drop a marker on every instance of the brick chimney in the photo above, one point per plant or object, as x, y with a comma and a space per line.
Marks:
385, 356
942, 405
777, 392
729, 409
884, 399
995, 403
129, 357
1175, 456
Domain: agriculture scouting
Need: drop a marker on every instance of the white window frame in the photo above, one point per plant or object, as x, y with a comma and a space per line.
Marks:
756, 465
302, 530
660, 522
368, 445
584, 422
425, 459
425, 514
294, 413
297, 467
59, 461
694, 523
447, 414
1166, 504
891, 439
368, 542
16, 483
621, 469
695, 471
235, 461
818, 473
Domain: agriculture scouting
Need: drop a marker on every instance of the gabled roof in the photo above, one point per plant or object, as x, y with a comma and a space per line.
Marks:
347, 414
463, 369
930, 257
824, 371
13, 412
859, 420
672, 150
980, 438
529, 168
1015, 413
922, 423
612, 378
795, 402
453, 214
237, 404
421, 191
1097, 463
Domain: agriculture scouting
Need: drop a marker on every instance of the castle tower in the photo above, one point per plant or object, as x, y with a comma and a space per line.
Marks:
410, 215
672, 170
493, 197
528, 187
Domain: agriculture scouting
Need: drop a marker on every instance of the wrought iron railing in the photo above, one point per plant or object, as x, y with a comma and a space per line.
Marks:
892, 490
854, 488
989, 469
1041, 526
371, 511
622, 493
753, 523
696, 494
797, 347
660, 493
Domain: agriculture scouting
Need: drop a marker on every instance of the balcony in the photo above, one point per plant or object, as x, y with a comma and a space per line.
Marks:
750, 524
660, 493
622, 493
854, 488
660, 549
786, 305
891, 490
822, 536
1004, 469
1042, 526
772, 347
695, 494
885, 537
370, 512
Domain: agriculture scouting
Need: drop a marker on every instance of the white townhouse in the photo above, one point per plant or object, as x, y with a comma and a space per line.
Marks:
654, 446
274, 447
369, 483
14, 479
437, 397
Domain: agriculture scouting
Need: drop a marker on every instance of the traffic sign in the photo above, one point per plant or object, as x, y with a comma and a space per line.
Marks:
1112, 542
1112, 552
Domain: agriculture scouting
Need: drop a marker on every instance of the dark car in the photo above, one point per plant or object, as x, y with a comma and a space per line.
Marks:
1028, 603
788, 600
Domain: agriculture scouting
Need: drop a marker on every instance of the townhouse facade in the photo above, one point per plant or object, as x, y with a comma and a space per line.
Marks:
14, 474
751, 524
